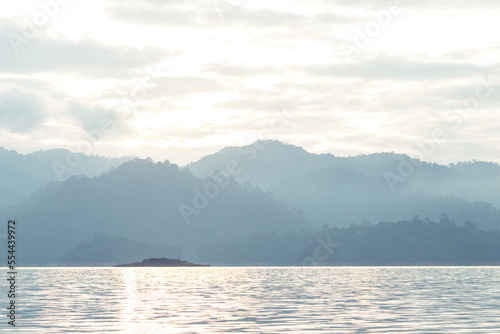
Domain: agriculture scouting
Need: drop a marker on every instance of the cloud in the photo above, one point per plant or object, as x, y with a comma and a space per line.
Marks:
152, 16
330, 17
413, 4
186, 85
242, 61
152, 12
27, 84
238, 70
21, 112
260, 105
97, 119
42, 54
214, 13
263, 17
201, 13
401, 68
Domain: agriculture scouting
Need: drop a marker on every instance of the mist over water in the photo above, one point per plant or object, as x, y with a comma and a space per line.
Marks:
259, 300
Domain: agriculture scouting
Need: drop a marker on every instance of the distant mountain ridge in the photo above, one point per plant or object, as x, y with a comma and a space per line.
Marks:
410, 242
22, 174
232, 195
338, 191
141, 200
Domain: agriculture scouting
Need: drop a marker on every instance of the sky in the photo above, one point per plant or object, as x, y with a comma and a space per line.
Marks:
178, 80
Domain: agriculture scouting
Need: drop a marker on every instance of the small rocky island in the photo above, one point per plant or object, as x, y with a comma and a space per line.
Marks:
161, 262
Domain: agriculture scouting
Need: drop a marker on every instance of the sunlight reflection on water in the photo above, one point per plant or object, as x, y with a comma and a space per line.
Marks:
259, 300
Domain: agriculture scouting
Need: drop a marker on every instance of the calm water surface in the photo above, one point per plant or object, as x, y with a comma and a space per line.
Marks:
258, 300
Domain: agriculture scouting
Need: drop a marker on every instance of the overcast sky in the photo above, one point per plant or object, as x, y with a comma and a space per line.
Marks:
181, 79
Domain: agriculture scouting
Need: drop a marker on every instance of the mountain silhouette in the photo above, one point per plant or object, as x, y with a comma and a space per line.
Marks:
338, 191
22, 174
144, 201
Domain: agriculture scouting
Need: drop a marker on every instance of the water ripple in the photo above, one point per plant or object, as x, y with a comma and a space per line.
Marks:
259, 300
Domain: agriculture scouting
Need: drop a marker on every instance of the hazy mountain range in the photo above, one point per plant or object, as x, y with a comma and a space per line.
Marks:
142, 201
234, 194
339, 191
21, 175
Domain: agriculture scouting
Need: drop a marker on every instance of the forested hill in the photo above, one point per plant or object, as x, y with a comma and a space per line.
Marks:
158, 203
338, 191
414, 242
22, 174
222, 202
